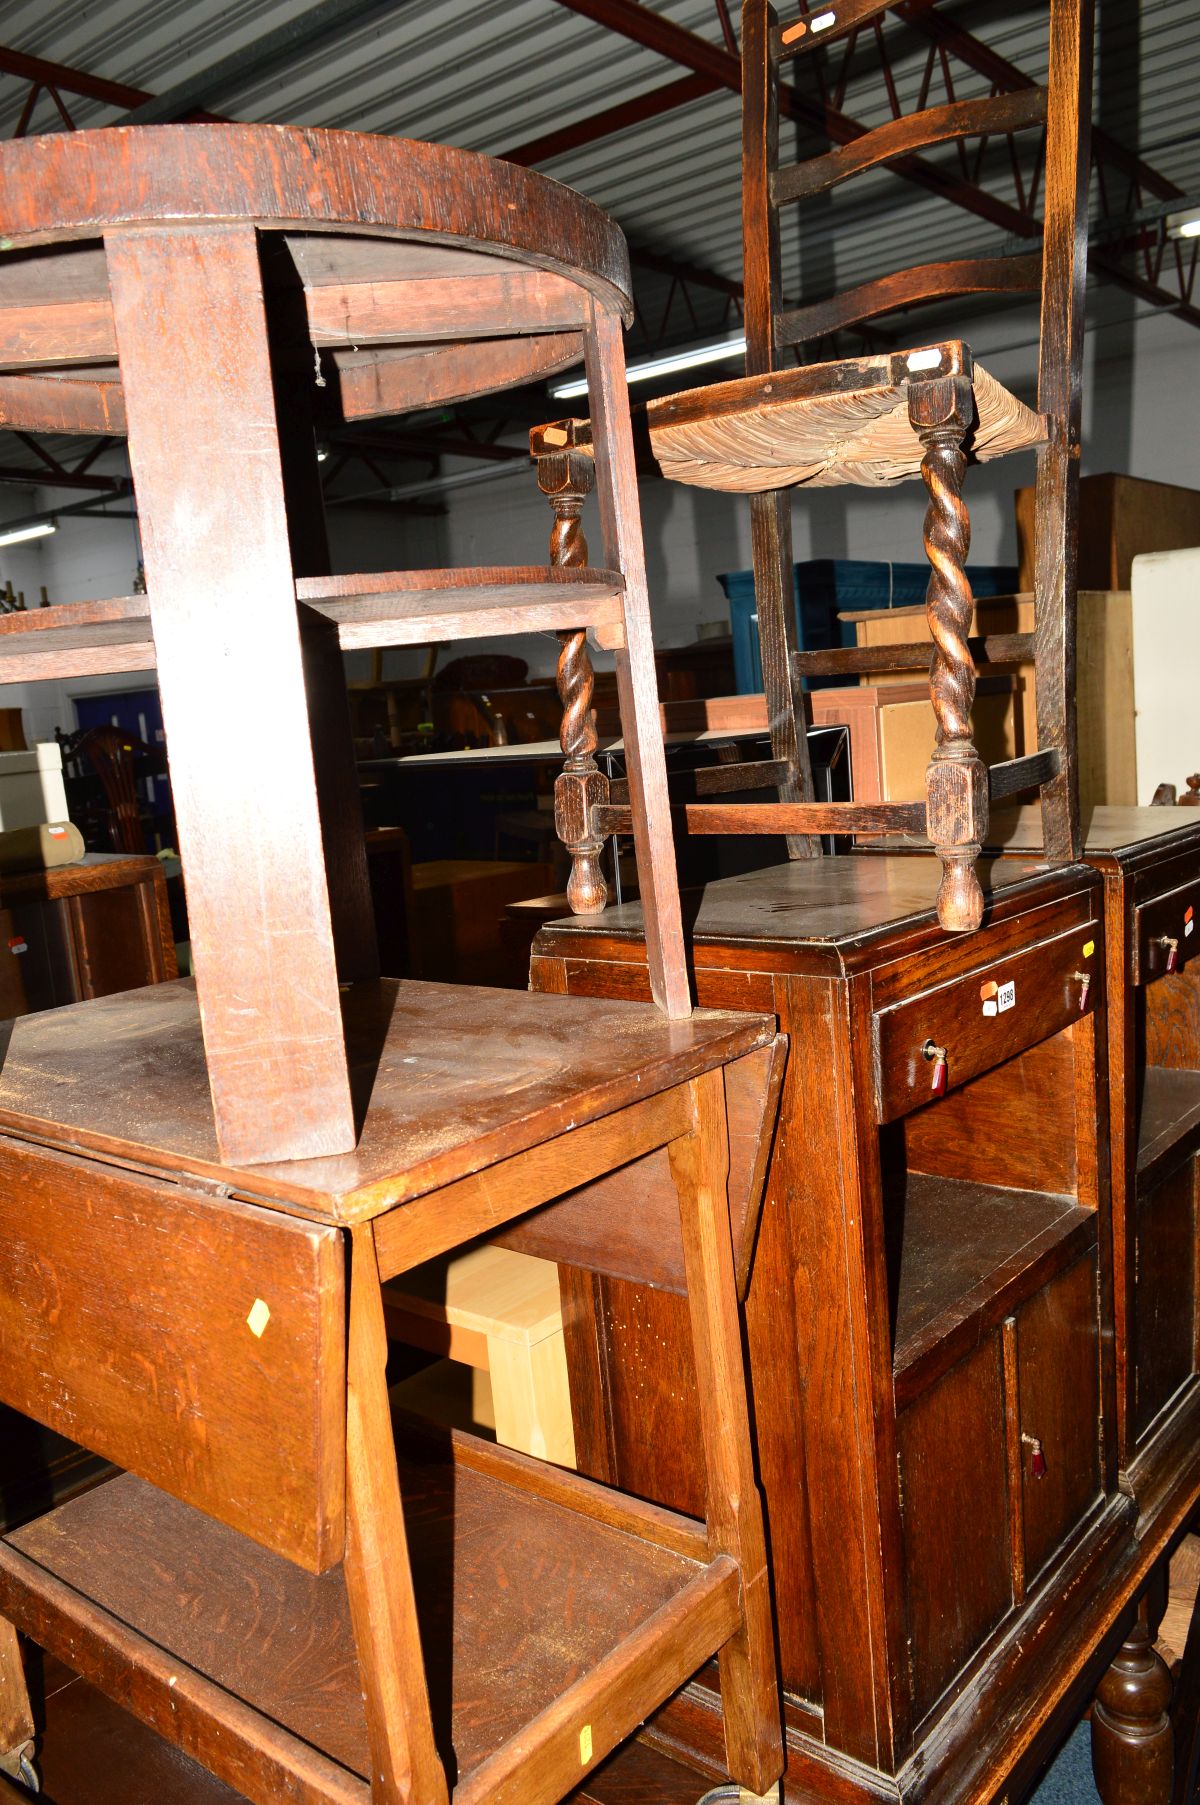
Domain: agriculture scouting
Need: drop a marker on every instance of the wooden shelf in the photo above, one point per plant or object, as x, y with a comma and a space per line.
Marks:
966, 1255
386, 608
1168, 1118
525, 1579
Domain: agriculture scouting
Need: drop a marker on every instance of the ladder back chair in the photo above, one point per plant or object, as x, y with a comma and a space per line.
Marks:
233, 288
876, 420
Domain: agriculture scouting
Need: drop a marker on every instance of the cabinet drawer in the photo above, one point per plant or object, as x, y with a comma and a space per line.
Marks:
984, 1016
1174, 916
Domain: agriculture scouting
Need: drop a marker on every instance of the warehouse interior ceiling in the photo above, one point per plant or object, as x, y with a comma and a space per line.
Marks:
637, 105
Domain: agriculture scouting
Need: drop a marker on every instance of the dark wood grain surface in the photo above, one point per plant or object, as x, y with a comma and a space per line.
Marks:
967, 1253
308, 180
1105, 826
505, 1583
450, 1077
197, 1341
833, 906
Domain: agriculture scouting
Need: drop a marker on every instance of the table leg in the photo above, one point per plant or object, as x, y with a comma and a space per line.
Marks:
405, 1765
637, 682
16, 1714
205, 455
749, 1683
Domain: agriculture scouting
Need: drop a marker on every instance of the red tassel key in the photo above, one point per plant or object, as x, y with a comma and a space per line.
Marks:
1037, 1460
941, 1067
1084, 980
1172, 947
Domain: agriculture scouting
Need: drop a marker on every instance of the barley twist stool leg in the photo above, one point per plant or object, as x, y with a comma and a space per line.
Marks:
566, 472
956, 781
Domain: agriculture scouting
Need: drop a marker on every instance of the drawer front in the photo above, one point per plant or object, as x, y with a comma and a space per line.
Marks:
1058, 1385
1173, 917
195, 1341
984, 1017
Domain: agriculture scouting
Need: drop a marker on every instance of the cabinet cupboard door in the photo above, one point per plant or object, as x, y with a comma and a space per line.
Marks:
1058, 1372
1164, 1336
955, 1512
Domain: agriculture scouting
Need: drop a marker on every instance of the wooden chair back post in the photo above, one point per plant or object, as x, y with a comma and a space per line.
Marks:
770, 514
1060, 395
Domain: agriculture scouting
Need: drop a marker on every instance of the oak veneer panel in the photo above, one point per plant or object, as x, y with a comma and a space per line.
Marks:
1164, 1327
123, 1325
444, 1087
507, 1583
1058, 1367
1013, 1127
967, 1253
954, 1502
1171, 1015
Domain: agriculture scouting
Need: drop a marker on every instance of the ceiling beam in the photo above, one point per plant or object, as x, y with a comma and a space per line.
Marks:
70, 81
66, 479
654, 32
613, 120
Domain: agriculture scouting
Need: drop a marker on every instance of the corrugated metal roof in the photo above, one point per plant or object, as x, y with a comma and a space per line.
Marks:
492, 74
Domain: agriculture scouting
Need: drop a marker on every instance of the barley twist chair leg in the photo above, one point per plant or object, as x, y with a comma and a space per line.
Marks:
566, 472
956, 782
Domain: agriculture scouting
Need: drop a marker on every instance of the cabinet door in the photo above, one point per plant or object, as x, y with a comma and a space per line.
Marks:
954, 1497
1058, 1373
1164, 1308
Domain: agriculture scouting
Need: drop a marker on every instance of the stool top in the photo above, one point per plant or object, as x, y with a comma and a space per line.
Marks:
62, 186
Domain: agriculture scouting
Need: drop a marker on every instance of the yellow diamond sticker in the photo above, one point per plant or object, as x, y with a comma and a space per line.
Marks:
585, 1745
259, 1317
1089, 947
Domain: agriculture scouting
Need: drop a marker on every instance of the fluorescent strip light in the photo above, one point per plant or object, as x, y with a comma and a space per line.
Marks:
38, 531
1185, 224
688, 359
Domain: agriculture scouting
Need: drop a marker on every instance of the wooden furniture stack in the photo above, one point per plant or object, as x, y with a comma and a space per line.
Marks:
203, 1190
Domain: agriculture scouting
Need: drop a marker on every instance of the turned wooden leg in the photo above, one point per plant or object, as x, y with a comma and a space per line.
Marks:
942, 411
405, 1766
750, 1700
1132, 1741
566, 472
16, 1716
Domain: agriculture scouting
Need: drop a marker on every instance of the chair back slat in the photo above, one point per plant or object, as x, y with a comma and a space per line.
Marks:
907, 288
993, 115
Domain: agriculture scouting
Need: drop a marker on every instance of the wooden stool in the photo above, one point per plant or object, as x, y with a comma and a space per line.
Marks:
499, 1312
249, 281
